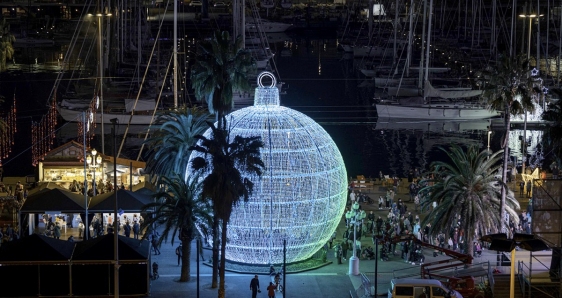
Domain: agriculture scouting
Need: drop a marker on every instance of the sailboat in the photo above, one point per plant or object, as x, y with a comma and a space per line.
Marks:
432, 103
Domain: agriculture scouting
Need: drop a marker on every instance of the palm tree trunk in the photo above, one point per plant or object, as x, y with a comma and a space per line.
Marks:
222, 291
505, 147
215, 251
185, 260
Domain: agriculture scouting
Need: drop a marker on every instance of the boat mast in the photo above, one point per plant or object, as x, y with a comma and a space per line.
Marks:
100, 73
428, 45
410, 39
175, 67
420, 78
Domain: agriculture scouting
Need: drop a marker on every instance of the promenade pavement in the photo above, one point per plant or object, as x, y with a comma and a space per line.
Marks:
329, 281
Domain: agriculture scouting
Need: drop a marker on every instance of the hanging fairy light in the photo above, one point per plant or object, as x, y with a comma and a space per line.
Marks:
302, 193
43, 134
7, 136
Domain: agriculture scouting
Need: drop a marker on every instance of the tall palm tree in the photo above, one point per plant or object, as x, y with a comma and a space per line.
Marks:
179, 207
6, 44
174, 134
553, 134
226, 164
465, 186
221, 67
508, 87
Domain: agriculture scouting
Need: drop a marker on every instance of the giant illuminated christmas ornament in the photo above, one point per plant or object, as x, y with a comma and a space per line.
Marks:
302, 193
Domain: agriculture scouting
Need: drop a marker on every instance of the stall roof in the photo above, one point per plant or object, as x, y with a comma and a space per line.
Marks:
54, 200
101, 249
128, 201
36, 248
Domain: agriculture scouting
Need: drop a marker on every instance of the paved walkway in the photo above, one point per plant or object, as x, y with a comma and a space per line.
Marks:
329, 281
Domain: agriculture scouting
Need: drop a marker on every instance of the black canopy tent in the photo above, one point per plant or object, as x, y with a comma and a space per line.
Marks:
93, 265
128, 201
53, 200
40, 261
52, 267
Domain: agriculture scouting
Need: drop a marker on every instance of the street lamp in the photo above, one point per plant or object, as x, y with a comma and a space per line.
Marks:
489, 134
93, 160
357, 217
530, 17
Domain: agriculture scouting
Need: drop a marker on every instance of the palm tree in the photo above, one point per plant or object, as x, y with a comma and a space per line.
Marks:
553, 134
169, 146
226, 166
221, 67
6, 47
465, 186
508, 88
179, 207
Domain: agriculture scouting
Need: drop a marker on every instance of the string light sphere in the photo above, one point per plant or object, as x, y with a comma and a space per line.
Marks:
302, 193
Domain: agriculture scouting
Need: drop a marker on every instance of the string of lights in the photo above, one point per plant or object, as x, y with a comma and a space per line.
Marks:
302, 193
7, 135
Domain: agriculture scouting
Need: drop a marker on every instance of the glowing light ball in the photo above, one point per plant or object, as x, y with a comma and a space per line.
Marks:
302, 193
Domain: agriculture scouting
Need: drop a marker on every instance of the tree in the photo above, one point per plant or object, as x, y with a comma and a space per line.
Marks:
465, 186
226, 166
169, 146
220, 68
508, 87
179, 207
6, 47
553, 134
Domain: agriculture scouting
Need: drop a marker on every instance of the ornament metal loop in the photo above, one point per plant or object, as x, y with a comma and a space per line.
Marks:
267, 74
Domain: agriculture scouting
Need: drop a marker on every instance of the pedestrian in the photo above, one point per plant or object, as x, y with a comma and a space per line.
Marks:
271, 290
155, 240
136, 230
179, 253
127, 229
529, 185
56, 231
255, 286
344, 247
338, 253
521, 188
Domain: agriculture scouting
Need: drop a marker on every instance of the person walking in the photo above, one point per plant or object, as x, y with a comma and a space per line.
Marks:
56, 232
529, 185
271, 290
521, 188
255, 286
155, 240
127, 229
179, 253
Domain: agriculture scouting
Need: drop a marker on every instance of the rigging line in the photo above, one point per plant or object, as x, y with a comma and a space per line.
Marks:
68, 55
154, 111
38, 141
140, 88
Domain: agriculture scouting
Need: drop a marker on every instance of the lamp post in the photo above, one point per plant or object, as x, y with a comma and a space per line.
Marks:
356, 219
93, 160
524, 149
489, 134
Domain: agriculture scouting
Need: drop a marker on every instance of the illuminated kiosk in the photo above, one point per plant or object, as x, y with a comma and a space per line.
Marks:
302, 193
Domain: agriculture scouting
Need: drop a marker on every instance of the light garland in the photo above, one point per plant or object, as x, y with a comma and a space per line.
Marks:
7, 136
302, 193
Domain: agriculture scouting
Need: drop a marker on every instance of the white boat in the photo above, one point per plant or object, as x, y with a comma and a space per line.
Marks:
75, 115
267, 27
416, 108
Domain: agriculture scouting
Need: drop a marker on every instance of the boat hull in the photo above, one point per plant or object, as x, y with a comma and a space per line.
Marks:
434, 112
71, 115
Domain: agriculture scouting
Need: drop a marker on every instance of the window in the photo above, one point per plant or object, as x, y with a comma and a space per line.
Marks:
404, 291
438, 292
